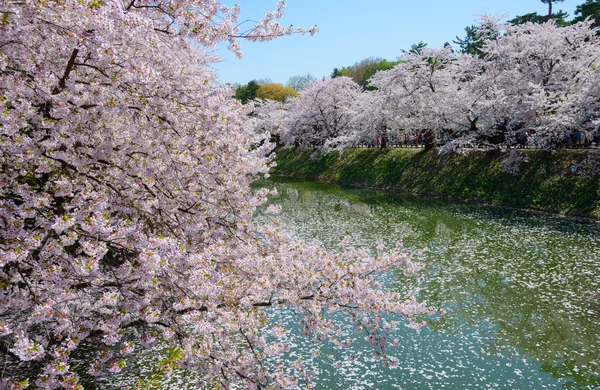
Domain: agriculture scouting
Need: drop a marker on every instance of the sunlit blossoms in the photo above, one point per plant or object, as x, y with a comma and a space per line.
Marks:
125, 204
322, 114
532, 84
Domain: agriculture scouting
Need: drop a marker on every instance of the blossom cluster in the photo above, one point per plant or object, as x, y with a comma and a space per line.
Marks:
539, 78
125, 199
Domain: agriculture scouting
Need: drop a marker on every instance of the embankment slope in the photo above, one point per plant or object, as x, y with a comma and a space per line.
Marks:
566, 181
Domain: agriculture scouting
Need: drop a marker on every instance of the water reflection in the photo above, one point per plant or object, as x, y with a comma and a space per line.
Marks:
521, 291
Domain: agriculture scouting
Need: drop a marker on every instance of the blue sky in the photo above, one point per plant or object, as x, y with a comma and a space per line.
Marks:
351, 30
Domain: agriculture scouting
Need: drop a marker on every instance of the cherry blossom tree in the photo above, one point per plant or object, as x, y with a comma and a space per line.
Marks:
413, 87
539, 76
420, 94
270, 115
370, 121
543, 75
321, 116
125, 207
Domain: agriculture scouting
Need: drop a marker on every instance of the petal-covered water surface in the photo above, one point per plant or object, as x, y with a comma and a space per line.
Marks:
520, 291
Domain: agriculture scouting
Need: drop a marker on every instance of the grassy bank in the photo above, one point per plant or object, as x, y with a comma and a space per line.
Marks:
561, 182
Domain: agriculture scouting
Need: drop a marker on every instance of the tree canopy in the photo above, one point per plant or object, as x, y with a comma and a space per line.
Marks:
589, 9
322, 112
275, 91
559, 17
247, 92
480, 95
363, 70
301, 82
472, 43
126, 208
550, 2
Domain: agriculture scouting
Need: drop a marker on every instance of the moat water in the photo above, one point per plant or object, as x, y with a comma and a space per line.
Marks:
521, 292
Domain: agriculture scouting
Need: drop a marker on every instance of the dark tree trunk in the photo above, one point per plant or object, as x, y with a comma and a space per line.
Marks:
382, 136
473, 124
429, 140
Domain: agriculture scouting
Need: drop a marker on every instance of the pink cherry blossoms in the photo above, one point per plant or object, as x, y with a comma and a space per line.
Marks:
541, 79
125, 204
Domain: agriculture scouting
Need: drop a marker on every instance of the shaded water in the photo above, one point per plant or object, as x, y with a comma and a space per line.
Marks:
521, 292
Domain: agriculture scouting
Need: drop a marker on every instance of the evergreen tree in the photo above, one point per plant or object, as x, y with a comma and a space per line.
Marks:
550, 2
245, 93
472, 43
589, 9
559, 18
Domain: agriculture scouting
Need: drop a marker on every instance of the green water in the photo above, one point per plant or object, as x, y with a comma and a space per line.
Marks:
521, 292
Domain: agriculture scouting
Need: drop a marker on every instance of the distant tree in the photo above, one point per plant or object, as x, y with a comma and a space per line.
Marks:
427, 91
550, 2
247, 92
321, 113
363, 70
270, 115
555, 83
472, 43
589, 9
559, 18
336, 73
275, 91
374, 68
416, 48
300, 82
533, 17
357, 71
370, 121
264, 80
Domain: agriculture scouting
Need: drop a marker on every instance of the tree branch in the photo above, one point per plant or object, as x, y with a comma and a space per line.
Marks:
63, 80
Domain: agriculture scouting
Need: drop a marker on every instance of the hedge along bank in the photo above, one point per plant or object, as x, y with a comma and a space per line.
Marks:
565, 181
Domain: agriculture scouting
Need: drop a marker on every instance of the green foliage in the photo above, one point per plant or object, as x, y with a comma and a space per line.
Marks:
247, 92
530, 17
559, 18
363, 70
472, 43
374, 68
545, 182
591, 9
416, 48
